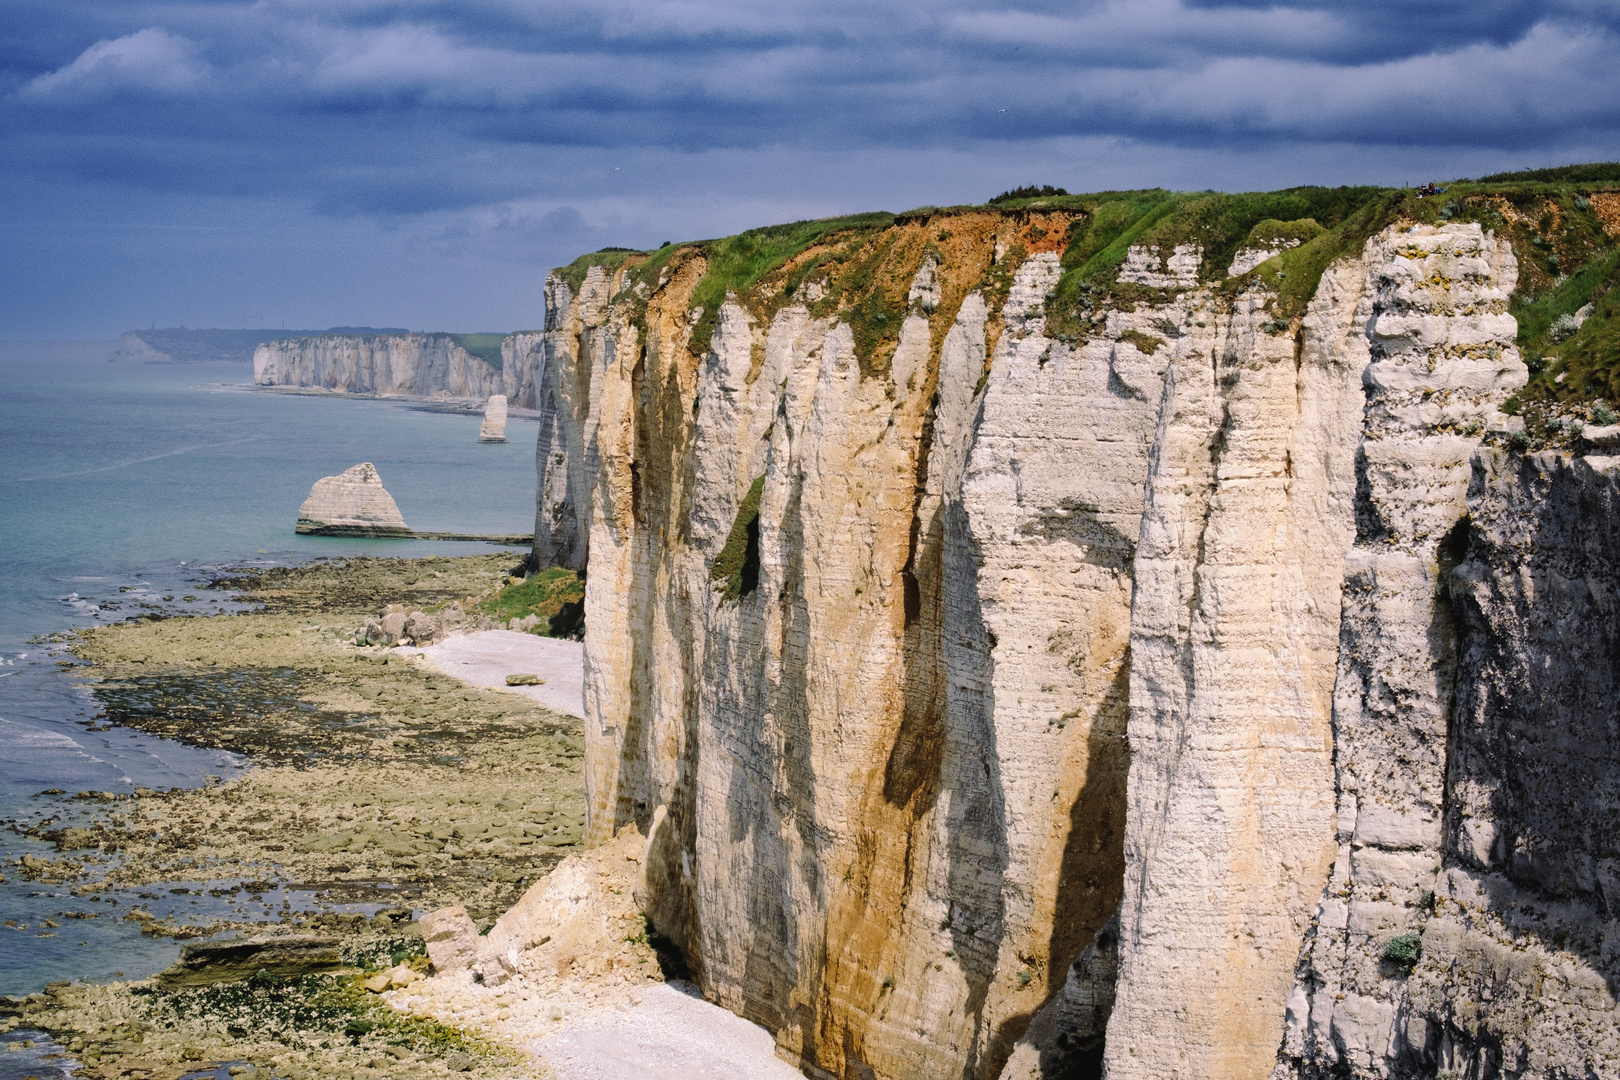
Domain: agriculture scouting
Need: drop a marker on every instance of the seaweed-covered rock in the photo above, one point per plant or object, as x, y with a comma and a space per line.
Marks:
229, 961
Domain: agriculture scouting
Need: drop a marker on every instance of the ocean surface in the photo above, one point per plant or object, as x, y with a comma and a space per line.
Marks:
121, 484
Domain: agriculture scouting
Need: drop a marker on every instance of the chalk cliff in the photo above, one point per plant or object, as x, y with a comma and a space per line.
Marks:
178, 345
1028, 647
414, 365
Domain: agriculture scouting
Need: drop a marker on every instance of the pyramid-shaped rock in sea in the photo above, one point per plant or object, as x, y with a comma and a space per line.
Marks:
352, 503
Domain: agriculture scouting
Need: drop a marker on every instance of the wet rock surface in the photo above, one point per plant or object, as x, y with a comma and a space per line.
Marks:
297, 1028
286, 956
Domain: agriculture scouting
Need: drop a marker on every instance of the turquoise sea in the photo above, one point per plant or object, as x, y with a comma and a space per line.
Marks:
120, 484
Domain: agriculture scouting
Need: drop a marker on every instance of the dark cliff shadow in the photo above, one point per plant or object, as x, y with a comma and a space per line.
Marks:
671, 901
1080, 523
976, 832
1537, 715
631, 797
1091, 880
773, 964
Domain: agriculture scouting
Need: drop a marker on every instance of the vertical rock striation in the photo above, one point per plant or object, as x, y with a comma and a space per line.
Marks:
1233, 635
985, 687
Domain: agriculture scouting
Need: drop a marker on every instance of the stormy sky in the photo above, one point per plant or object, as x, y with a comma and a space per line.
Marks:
422, 163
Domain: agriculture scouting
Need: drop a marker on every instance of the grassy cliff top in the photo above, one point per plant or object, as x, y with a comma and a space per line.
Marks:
1563, 224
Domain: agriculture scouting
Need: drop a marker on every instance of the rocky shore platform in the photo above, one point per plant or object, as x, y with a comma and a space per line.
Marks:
387, 787
377, 788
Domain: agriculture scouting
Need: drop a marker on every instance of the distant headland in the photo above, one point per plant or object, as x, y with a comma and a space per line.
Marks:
179, 345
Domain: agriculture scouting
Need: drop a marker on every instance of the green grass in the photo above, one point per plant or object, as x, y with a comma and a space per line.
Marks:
609, 257
1405, 950
1271, 231
737, 262
1145, 343
1331, 221
487, 347
554, 594
738, 562
1566, 259
1296, 273
1589, 361
1594, 173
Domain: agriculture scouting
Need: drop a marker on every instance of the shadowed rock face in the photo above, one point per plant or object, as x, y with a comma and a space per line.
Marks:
920, 662
352, 503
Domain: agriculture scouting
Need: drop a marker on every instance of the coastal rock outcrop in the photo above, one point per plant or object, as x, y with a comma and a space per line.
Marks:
1010, 673
1489, 850
352, 503
493, 429
411, 365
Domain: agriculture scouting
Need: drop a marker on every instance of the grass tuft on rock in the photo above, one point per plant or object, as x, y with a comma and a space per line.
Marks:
1404, 950
738, 562
609, 258
737, 262
553, 595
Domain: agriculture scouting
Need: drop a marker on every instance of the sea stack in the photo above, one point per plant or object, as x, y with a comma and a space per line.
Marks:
353, 503
494, 426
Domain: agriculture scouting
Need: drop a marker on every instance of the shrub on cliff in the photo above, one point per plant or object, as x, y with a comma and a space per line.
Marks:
1046, 191
1405, 950
556, 595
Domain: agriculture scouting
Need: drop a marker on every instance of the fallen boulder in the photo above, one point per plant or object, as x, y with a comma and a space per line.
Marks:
452, 939
397, 625
395, 977
353, 503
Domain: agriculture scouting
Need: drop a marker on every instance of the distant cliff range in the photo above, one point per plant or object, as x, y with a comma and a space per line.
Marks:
178, 345
406, 364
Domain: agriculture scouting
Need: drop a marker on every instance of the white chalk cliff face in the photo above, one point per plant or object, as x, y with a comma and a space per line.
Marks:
412, 365
920, 667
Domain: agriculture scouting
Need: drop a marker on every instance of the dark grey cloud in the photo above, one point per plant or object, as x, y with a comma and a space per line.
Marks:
497, 128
